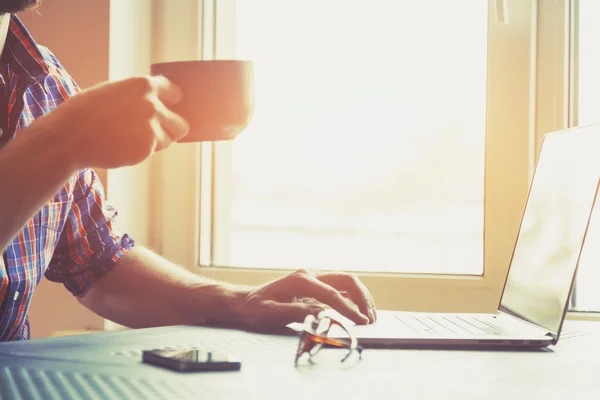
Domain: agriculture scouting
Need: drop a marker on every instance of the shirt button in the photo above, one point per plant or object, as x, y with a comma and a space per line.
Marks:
1, 132
16, 296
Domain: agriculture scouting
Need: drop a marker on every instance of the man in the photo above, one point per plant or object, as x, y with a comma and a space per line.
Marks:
55, 222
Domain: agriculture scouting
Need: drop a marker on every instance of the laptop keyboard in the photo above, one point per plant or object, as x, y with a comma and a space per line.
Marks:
20, 383
451, 324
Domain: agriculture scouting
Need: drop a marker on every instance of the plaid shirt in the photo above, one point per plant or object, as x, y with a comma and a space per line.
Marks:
72, 239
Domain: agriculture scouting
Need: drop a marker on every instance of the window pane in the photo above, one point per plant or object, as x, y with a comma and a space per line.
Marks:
587, 297
366, 150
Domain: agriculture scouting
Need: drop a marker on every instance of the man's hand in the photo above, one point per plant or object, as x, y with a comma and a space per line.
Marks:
292, 297
128, 296
116, 123
111, 125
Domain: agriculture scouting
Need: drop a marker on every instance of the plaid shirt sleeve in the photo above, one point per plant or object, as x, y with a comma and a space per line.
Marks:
90, 245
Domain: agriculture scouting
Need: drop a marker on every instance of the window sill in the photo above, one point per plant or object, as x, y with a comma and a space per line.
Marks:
583, 316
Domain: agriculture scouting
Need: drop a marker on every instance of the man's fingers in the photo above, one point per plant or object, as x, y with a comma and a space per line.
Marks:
275, 314
346, 295
330, 296
163, 140
356, 289
166, 90
174, 125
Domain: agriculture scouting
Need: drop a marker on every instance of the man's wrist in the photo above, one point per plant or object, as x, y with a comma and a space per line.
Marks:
218, 303
62, 153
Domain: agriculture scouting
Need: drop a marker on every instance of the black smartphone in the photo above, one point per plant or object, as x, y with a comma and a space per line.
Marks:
187, 360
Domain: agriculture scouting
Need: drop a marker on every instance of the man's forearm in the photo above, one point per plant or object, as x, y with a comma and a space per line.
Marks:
33, 168
145, 290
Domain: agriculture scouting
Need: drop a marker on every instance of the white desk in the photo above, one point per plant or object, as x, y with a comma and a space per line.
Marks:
569, 370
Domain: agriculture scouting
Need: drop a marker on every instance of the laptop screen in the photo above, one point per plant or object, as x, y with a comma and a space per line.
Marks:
553, 228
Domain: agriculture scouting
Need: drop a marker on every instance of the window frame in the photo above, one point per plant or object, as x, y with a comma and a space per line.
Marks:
517, 118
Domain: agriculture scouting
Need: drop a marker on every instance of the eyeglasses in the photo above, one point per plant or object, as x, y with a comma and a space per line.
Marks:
314, 336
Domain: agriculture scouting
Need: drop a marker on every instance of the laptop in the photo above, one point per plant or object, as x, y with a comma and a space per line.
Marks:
543, 265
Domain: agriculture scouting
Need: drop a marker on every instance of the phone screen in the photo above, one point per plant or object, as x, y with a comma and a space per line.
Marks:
191, 360
192, 355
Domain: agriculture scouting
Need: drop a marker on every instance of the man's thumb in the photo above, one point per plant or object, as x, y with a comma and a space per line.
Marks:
286, 313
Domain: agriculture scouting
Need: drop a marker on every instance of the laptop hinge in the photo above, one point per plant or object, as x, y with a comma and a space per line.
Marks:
506, 312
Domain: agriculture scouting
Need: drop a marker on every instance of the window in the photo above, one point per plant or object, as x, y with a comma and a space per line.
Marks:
366, 149
586, 92
366, 152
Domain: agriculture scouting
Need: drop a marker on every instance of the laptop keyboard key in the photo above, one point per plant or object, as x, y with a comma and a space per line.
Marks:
429, 325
